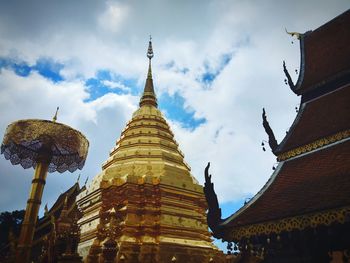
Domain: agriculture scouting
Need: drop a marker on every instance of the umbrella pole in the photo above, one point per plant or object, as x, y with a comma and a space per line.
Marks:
31, 213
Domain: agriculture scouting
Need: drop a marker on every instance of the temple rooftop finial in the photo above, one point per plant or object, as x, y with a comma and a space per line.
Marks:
150, 49
272, 139
150, 56
296, 34
54, 119
149, 96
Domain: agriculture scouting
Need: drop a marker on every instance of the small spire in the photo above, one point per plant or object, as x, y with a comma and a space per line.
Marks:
65, 204
148, 96
112, 211
87, 179
150, 56
55, 117
46, 210
150, 49
64, 211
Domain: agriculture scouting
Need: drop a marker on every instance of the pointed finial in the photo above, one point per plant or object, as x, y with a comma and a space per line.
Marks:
87, 178
55, 117
150, 56
65, 204
112, 211
293, 34
150, 49
78, 178
288, 79
272, 139
46, 210
148, 96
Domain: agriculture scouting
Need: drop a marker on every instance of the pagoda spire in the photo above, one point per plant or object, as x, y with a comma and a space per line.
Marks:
149, 96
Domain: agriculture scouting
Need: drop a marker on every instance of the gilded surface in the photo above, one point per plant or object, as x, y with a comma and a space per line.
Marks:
315, 145
148, 190
145, 198
325, 218
27, 140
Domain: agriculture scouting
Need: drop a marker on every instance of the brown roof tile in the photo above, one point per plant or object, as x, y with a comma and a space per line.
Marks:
310, 183
326, 53
319, 118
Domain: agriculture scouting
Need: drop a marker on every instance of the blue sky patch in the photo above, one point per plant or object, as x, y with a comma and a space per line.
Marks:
106, 81
46, 67
49, 69
174, 108
169, 65
172, 66
228, 209
20, 68
211, 73
208, 77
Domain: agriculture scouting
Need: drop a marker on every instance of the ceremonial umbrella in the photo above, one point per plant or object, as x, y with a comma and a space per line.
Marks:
47, 146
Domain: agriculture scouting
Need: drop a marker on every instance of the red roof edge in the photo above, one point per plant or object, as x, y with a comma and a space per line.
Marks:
325, 56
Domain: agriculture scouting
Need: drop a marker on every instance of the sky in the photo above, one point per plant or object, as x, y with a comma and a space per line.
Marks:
216, 65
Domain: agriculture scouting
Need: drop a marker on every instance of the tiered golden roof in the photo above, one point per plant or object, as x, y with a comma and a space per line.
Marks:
159, 206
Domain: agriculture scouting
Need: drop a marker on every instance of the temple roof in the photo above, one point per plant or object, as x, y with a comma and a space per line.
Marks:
71, 193
320, 118
306, 184
68, 196
306, 191
323, 83
310, 185
330, 43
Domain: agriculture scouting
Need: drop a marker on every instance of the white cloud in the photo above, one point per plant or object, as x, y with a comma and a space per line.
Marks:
101, 120
113, 17
115, 85
96, 35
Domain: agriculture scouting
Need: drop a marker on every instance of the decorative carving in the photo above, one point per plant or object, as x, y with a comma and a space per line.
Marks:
25, 141
290, 81
67, 236
314, 145
95, 252
60, 244
272, 140
293, 34
292, 223
214, 211
110, 250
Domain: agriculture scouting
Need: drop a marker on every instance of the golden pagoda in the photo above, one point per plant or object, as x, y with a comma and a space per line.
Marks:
145, 206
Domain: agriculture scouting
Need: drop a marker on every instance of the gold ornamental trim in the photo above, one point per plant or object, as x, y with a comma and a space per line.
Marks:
340, 215
314, 145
